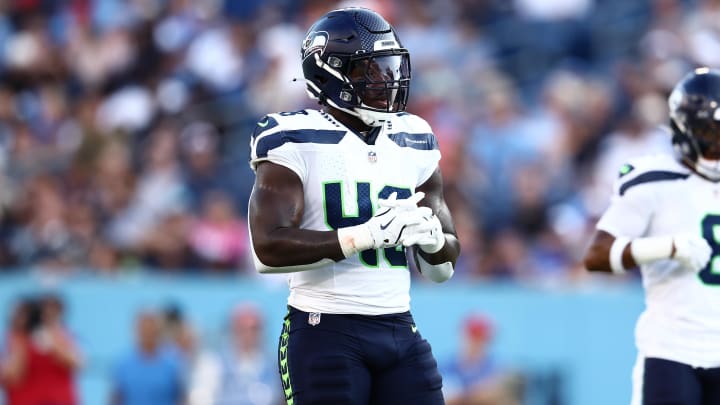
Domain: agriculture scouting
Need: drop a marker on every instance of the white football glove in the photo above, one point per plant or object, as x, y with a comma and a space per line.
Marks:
692, 251
387, 227
427, 234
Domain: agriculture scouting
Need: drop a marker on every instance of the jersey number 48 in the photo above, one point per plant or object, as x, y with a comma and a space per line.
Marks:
335, 218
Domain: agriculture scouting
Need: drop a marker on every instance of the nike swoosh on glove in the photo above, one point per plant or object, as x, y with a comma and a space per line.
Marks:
389, 224
428, 234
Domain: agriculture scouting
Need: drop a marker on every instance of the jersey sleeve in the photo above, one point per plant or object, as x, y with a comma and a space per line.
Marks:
269, 142
428, 162
631, 208
420, 140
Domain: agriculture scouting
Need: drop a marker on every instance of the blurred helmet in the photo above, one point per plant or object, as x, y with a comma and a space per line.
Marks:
695, 121
353, 60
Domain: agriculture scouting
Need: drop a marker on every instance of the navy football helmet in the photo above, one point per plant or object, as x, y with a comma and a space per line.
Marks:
353, 60
695, 121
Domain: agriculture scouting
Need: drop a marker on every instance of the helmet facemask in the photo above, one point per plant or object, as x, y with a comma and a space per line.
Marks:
374, 85
698, 142
378, 84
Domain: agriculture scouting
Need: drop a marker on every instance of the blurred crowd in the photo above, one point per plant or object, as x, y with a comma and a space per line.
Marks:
169, 365
166, 360
124, 124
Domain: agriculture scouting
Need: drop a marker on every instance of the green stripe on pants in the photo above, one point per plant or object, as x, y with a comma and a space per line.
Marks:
283, 361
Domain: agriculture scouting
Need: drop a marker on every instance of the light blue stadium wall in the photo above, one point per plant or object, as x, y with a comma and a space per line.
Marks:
584, 332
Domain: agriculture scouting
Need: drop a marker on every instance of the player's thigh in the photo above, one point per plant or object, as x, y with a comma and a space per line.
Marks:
319, 365
668, 382
414, 380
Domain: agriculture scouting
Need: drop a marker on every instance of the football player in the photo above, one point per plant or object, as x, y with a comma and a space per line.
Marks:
339, 195
665, 218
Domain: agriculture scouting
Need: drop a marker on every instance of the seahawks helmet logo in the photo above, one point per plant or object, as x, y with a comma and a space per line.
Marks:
314, 42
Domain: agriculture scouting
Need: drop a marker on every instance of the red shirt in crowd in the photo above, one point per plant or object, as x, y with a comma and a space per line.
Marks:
45, 380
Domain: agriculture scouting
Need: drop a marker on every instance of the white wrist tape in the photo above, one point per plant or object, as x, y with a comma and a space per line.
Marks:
650, 249
616, 253
435, 272
355, 239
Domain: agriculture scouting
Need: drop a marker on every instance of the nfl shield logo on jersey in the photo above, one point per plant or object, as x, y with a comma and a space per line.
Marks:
314, 318
372, 157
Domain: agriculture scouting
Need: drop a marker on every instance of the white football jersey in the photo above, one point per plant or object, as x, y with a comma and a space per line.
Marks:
343, 177
658, 196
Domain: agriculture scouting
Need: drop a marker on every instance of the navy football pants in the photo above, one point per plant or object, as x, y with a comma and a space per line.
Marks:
356, 359
667, 382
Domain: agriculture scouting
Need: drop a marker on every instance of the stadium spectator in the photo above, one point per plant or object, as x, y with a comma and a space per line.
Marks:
151, 373
243, 371
219, 237
474, 376
40, 359
178, 332
160, 192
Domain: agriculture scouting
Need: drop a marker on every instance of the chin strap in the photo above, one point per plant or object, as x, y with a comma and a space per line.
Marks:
369, 118
372, 118
709, 169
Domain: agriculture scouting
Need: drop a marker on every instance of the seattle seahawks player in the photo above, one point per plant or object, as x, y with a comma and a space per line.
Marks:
665, 218
339, 195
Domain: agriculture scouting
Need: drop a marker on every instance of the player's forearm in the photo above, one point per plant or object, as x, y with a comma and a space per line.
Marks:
598, 255
622, 253
285, 247
439, 266
616, 254
449, 252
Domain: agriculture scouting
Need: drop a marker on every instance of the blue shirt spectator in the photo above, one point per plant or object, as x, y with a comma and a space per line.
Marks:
150, 374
